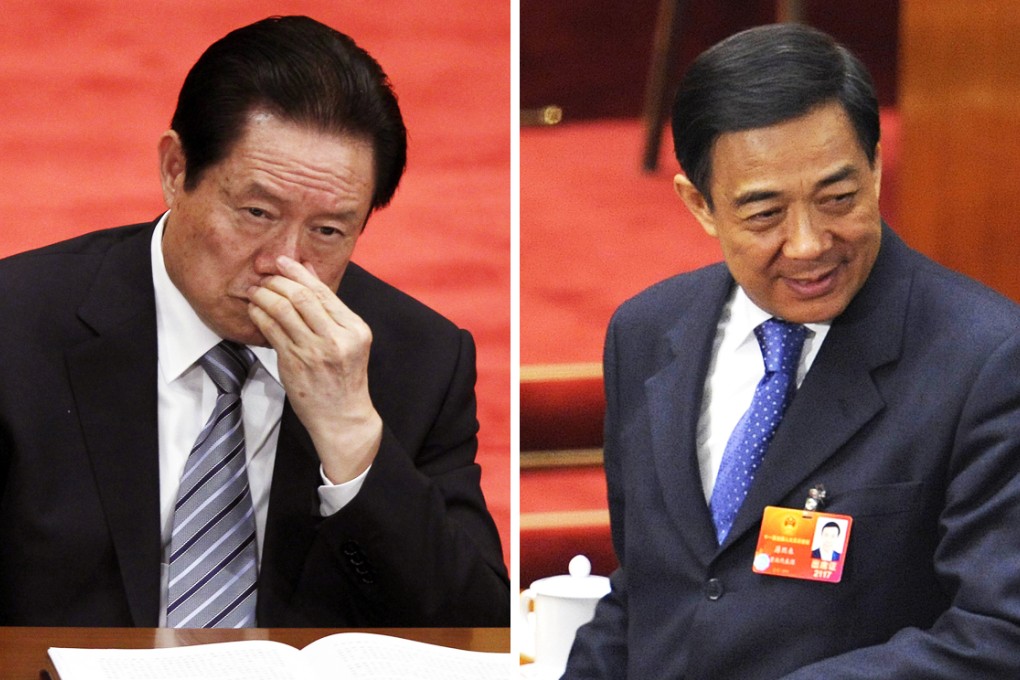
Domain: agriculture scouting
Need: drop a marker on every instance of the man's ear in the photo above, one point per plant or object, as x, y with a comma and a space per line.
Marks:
696, 203
171, 166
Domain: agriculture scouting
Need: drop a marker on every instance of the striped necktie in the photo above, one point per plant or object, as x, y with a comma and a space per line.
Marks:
781, 343
213, 560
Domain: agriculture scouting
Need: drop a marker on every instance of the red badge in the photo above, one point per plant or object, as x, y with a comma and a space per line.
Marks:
802, 544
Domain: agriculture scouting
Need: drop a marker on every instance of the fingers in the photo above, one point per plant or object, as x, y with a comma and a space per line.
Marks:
273, 332
296, 306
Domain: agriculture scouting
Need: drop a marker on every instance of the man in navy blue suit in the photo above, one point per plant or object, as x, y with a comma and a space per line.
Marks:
906, 407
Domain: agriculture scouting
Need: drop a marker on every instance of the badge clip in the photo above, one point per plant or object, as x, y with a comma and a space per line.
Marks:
816, 498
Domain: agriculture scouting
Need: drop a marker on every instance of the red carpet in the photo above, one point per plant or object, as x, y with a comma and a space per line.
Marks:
594, 231
90, 85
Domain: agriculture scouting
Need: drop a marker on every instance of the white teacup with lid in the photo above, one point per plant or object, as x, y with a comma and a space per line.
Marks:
555, 607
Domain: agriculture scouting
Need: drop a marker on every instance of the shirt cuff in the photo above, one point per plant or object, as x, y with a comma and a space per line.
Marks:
333, 497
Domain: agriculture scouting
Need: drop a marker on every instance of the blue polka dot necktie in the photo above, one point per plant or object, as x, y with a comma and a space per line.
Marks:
213, 559
781, 343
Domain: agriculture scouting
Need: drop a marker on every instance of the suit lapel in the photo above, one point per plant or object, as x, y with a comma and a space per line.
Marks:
292, 518
838, 395
113, 378
674, 395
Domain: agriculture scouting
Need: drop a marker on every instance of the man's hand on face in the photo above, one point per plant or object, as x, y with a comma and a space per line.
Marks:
323, 350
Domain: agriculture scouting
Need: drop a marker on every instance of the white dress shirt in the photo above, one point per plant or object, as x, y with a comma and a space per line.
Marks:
186, 397
737, 367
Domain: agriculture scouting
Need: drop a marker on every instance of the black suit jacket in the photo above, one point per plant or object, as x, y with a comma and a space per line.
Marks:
79, 486
910, 417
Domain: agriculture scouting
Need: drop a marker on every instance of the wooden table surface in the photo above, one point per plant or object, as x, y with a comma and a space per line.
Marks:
23, 651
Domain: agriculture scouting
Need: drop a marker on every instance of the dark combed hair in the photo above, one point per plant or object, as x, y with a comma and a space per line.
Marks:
302, 71
761, 77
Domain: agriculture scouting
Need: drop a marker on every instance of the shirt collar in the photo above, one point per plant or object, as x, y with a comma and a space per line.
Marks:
181, 335
745, 316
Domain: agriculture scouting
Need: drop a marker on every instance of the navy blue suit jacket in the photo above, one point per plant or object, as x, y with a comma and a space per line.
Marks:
79, 478
910, 417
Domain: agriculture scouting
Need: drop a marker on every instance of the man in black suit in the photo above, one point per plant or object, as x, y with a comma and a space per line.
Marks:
363, 497
903, 406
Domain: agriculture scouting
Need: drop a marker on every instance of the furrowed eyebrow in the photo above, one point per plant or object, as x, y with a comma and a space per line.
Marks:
846, 172
753, 197
257, 190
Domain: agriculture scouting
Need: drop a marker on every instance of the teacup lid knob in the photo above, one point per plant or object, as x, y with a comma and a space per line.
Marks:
579, 567
580, 583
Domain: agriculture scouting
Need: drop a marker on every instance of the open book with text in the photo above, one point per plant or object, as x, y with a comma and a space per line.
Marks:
353, 656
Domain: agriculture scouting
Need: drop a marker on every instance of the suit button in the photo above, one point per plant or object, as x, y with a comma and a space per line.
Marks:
714, 589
